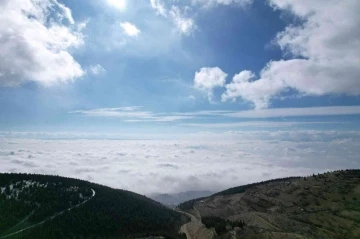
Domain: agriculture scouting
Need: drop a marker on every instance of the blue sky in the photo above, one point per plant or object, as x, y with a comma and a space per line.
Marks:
165, 67
242, 90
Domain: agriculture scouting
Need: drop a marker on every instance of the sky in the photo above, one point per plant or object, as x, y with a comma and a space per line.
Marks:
91, 74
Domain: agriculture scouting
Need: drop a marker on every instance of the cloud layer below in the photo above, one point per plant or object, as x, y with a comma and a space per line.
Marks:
148, 166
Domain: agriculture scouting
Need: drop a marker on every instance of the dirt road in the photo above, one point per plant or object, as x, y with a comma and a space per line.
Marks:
195, 229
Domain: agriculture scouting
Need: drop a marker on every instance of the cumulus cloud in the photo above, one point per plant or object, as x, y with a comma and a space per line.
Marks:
209, 78
130, 29
118, 4
36, 38
325, 52
243, 85
168, 166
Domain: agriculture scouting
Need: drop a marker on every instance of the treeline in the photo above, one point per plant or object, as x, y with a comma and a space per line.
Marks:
11, 211
188, 205
111, 213
43, 197
242, 189
221, 225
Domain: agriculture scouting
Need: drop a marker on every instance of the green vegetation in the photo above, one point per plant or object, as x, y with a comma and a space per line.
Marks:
29, 199
188, 205
242, 189
322, 206
220, 224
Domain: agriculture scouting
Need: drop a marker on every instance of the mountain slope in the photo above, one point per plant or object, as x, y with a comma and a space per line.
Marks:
171, 200
321, 206
70, 208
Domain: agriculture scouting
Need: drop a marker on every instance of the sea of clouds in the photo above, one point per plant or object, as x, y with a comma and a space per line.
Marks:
205, 161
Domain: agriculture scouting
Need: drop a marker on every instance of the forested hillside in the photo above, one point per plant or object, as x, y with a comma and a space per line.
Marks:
188, 205
71, 208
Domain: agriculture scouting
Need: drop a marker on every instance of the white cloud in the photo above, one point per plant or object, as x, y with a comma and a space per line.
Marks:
254, 124
326, 51
209, 78
97, 69
159, 7
210, 164
135, 114
297, 112
115, 112
258, 92
35, 40
183, 24
130, 29
118, 4
132, 114
212, 3
206, 112
279, 112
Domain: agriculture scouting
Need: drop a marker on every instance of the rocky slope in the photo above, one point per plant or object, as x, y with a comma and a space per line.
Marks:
320, 206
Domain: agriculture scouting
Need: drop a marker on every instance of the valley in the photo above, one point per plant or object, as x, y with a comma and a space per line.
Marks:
322, 206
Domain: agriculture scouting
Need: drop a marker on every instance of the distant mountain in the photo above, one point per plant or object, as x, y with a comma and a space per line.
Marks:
175, 199
39, 206
324, 206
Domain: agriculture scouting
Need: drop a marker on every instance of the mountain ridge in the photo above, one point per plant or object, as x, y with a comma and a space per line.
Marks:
320, 206
174, 199
111, 213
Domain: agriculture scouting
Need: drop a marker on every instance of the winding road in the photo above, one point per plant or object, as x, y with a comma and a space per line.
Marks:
195, 229
50, 218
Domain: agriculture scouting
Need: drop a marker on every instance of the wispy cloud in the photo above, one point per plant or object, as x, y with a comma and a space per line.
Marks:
96, 69
257, 124
293, 112
159, 7
213, 3
131, 114
120, 112
135, 114
185, 25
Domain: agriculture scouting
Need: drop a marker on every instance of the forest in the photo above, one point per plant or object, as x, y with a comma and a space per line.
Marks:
220, 225
27, 199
